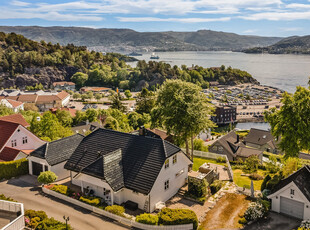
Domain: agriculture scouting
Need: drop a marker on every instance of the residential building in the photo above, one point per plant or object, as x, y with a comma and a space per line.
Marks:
224, 114
64, 85
12, 104
156, 133
16, 141
262, 140
85, 127
231, 146
44, 100
70, 110
291, 196
53, 156
121, 167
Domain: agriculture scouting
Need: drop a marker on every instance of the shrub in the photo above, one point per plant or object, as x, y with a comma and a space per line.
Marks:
216, 186
197, 188
266, 204
7, 198
305, 224
47, 177
266, 179
273, 182
221, 160
255, 211
242, 221
115, 209
169, 216
256, 176
32, 214
251, 164
11, 169
94, 201
63, 189
147, 219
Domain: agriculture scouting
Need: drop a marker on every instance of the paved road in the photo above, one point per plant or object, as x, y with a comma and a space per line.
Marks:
275, 221
22, 190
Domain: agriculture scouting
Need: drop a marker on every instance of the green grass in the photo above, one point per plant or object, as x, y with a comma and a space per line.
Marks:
198, 161
246, 181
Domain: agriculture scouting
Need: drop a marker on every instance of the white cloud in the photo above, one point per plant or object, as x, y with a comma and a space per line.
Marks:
185, 20
277, 16
291, 29
19, 3
250, 31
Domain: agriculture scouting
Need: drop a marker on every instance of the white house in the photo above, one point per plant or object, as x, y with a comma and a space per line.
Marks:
15, 140
292, 195
12, 104
124, 167
53, 156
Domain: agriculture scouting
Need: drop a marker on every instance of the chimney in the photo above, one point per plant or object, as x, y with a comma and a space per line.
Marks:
87, 122
142, 131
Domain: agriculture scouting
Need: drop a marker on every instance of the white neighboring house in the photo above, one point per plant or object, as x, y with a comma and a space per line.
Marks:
52, 156
16, 141
12, 104
121, 167
292, 195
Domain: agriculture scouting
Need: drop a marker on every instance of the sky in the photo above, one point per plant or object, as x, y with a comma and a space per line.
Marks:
252, 17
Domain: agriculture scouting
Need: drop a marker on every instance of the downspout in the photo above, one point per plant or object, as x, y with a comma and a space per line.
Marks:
149, 203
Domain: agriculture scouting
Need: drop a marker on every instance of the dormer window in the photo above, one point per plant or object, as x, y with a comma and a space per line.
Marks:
167, 163
14, 143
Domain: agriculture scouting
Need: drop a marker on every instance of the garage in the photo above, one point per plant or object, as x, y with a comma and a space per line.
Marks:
36, 168
292, 207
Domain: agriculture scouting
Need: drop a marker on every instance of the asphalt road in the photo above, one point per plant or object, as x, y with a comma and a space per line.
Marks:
23, 190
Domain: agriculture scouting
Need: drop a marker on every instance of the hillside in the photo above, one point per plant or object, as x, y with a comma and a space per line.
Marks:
24, 62
290, 45
126, 40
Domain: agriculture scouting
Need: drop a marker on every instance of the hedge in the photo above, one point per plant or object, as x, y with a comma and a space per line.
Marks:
116, 209
90, 200
63, 189
169, 216
147, 218
11, 169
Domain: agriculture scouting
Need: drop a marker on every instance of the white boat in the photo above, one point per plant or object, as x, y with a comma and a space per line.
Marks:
153, 56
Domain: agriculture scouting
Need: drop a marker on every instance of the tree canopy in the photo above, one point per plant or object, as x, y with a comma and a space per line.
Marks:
291, 123
183, 110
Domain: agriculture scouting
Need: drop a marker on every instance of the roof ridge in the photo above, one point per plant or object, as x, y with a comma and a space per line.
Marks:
67, 137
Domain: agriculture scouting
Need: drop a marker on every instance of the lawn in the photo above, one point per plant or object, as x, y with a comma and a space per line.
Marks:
227, 212
198, 161
244, 180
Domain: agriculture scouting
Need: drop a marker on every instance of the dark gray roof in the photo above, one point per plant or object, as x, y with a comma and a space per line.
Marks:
141, 160
301, 178
58, 151
84, 127
259, 137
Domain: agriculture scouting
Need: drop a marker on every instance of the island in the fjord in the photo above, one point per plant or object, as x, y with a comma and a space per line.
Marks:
24, 62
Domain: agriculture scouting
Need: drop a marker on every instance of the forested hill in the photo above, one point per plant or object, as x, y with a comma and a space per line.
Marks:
291, 45
126, 40
24, 62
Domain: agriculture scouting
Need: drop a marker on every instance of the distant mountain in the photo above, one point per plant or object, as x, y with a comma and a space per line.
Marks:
126, 40
290, 45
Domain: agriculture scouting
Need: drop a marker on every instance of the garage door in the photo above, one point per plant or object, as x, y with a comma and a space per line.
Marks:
291, 207
36, 168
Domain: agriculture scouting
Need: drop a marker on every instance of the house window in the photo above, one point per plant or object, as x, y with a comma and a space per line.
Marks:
174, 159
292, 191
167, 163
166, 184
45, 168
220, 148
13, 142
214, 148
25, 140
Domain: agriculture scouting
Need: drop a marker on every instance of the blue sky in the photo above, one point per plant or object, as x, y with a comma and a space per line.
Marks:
252, 17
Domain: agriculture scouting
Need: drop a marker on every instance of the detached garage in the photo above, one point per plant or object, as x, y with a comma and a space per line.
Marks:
53, 156
292, 195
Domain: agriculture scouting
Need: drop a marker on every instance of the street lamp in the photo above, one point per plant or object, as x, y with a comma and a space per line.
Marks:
66, 219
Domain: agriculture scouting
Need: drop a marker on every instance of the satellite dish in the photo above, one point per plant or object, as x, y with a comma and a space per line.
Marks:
38, 118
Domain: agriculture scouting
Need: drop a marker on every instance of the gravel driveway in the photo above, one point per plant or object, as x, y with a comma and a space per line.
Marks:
24, 189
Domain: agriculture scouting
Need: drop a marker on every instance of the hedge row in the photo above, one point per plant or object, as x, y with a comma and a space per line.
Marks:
168, 216
11, 169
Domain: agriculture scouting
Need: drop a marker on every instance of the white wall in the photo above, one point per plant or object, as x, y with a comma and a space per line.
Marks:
286, 192
33, 142
139, 198
20, 155
158, 192
60, 171
66, 101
